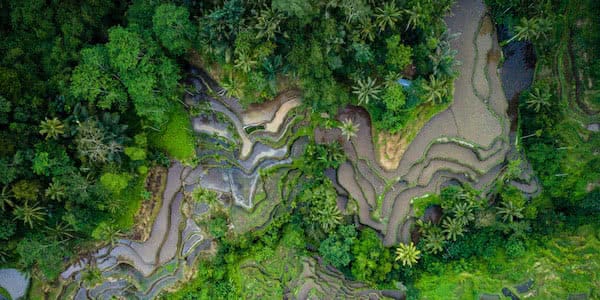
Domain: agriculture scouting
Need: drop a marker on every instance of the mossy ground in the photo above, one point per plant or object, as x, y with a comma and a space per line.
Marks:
176, 138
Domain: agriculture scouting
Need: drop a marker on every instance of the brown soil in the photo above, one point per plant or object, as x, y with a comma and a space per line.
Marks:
390, 149
155, 184
486, 26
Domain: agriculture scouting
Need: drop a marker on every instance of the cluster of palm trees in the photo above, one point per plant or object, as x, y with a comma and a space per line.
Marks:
28, 212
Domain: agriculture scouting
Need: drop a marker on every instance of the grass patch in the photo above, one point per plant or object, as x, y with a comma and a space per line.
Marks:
422, 203
5, 293
566, 264
132, 197
176, 138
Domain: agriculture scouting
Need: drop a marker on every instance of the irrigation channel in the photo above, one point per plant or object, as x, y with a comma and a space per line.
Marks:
469, 142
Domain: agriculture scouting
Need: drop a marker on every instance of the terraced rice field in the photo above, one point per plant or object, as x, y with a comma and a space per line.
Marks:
469, 142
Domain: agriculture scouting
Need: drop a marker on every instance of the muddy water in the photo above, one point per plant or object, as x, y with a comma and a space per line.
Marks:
516, 73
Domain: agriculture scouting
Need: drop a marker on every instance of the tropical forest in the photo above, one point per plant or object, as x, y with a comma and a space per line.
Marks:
299, 149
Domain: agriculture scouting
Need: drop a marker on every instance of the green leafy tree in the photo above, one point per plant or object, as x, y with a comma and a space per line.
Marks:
41, 163
95, 81
26, 190
394, 97
115, 182
52, 128
337, 248
172, 26
408, 254
5, 109
366, 90
398, 55
372, 261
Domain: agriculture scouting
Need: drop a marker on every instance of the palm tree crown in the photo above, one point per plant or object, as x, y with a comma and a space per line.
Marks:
538, 99
29, 214
52, 128
349, 129
435, 90
408, 254
509, 211
453, 228
366, 90
387, 16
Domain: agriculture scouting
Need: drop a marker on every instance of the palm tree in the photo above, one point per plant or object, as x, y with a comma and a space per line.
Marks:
245, 62
453, 228
416, 16
329, 217
531, 29
387, 16
408, 254
29, 214
231, 88
5, 196
366, 90
52, 128
268, 24
434, 241
463, 212
391, 79
538, 99
55, 191
508, 211
61, 231
367, 30
107, 232
349, 129
435, 90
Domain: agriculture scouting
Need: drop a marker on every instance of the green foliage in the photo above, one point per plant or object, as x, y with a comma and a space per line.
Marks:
372, 260
135, 153
394, 98
319, 204
172, 26
420, 204
176, 138
115, 182
337, 248
398, 55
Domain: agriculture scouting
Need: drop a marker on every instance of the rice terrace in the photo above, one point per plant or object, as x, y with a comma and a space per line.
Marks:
300, 149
